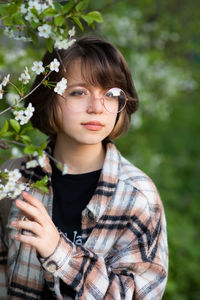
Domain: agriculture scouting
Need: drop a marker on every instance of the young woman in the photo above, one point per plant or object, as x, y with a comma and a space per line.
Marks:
100, 232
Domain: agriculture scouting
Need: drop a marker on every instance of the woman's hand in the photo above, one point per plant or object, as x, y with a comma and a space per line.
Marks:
39, 222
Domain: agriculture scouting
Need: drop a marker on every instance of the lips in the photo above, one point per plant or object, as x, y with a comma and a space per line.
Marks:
93, 125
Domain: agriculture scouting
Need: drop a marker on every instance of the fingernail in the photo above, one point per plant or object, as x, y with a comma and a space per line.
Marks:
24, 193
13, 223
19, 202
16, 236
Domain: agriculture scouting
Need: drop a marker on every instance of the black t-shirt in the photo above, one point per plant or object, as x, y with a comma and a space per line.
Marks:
72, 192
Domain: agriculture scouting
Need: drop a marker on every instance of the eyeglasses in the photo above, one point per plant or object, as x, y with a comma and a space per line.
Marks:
79, 99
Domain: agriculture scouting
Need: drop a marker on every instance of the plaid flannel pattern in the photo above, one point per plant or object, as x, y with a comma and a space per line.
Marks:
124, 253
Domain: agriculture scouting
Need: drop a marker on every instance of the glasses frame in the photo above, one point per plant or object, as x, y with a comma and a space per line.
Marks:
102, 98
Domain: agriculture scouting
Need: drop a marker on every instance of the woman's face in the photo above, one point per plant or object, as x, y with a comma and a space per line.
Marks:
93, 123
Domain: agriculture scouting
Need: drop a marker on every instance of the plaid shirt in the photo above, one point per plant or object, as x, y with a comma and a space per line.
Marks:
124, 253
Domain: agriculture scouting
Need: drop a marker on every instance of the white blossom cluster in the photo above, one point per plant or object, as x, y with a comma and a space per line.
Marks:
45, 30
12, 188
37, 161
24, 115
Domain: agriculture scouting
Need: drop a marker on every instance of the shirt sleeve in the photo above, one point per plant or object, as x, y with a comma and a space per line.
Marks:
138, 270
3, 261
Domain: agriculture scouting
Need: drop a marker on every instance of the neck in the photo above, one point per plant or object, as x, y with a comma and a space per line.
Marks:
79, 158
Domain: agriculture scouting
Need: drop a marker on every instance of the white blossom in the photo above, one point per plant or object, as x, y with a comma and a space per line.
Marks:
14, 175
9, 32
22, 116
5, 80
31, 17
18, 189
16, 152
42, 160
34, 4
1, 92
12, 98
54, 65
32, 164
18, 114
10, 186
44, 30
61, 86
50, 2
29, 110
3, 195
63, 44
23, 9
72, 31
24, 120
38, 67
44, 6
25, 77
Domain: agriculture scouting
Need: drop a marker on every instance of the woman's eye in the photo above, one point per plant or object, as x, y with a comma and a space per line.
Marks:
77, 93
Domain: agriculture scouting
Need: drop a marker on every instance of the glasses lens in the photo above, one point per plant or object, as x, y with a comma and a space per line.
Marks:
114, 100
78, 99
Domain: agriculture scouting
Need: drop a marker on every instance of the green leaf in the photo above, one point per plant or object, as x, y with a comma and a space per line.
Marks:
3, 9
34, 37
17, 19
41, 185
12, 9
30, 149
7, 21
15, 125
4, 129
8, 133
40, 188
59, 20
78, 22
35, 12
25, 138
93, 16
49, 12
43, 145
50, 44
26, 129
58, 6
82, 5
68, 7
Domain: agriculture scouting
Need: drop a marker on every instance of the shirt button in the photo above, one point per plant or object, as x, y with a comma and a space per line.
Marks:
51, 266
90, 215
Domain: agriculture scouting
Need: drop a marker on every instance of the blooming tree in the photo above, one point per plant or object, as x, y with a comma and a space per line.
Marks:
29, 21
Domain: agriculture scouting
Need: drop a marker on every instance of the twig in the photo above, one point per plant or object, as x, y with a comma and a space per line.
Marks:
10, 107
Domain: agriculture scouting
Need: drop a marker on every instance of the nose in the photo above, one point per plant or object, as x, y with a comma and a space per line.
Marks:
95, 105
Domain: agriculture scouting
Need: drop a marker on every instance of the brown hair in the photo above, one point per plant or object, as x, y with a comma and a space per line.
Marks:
107, 68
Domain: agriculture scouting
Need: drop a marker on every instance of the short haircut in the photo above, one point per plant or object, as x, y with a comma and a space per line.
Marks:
102, 65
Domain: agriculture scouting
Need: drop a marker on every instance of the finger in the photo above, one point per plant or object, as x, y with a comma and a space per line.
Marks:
33, 201
28, 225
30, 211
30, 240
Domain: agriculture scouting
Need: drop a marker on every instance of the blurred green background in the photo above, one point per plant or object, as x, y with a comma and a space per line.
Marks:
161, 42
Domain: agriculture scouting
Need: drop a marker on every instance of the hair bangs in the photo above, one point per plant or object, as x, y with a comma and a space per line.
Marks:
97, 70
